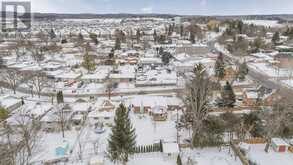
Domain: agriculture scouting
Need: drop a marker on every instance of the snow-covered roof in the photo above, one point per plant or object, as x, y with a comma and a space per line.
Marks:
81, 107
149, 101
103, 114
279, 142
159, 110
251, 94
68, 75
8, 101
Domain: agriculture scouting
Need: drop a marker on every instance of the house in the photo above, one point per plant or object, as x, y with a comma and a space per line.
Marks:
10, 103
271, 98
103, 113
174, 103
36, 110
279, 145
106, 105
195, 49
156, 77
250, 98
140, 106
82, 108
151, 61
80, 111
285, 60
104, 117
230, 73
159, 113
50, 122
145, 104
170, 149
125, 73
99, 76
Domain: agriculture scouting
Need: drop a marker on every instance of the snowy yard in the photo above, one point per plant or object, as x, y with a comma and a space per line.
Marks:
288, 83
149, 132
211, 156
258, 155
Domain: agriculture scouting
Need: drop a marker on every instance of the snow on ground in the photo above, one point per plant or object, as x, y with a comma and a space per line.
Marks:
270, 70
288, 83
49, 141
211, 156
150, 158
258, 155
149, 132
266, 23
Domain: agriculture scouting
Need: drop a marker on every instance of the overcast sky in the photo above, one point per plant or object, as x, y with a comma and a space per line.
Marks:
189, 7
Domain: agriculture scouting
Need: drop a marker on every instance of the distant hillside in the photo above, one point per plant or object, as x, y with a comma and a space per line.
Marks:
93, 16
279, 17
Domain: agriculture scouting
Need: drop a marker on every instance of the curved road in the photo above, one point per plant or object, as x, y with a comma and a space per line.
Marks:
261, 77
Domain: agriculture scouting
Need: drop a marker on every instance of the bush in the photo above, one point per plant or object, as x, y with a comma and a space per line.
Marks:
3, 114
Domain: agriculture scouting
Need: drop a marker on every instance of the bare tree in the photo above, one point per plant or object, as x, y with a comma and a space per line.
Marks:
43, 37
29, 133
19, 142
110, 86
8, 147
80, 150
19, 48
197, 92
13, 78
38, 81
62, 118
37, 52
276, 121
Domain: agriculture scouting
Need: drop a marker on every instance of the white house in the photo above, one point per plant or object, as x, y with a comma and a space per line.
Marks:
10, 103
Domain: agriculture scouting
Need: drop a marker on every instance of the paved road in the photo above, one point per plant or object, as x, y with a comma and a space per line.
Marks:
261, 77
102, 94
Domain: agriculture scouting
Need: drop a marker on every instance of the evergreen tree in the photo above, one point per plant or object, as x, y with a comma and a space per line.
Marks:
88, 62
52, 34
3, 114
240, 27
161, 51
117, 44
179, 161
228, 97
122, 139
22, 101
155, 36
138, 35
220, 67
192, 37
257, 44
64, 41
170, 30
1, 62
166, 57
94, 38
276, 38
181, 30
60, 98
